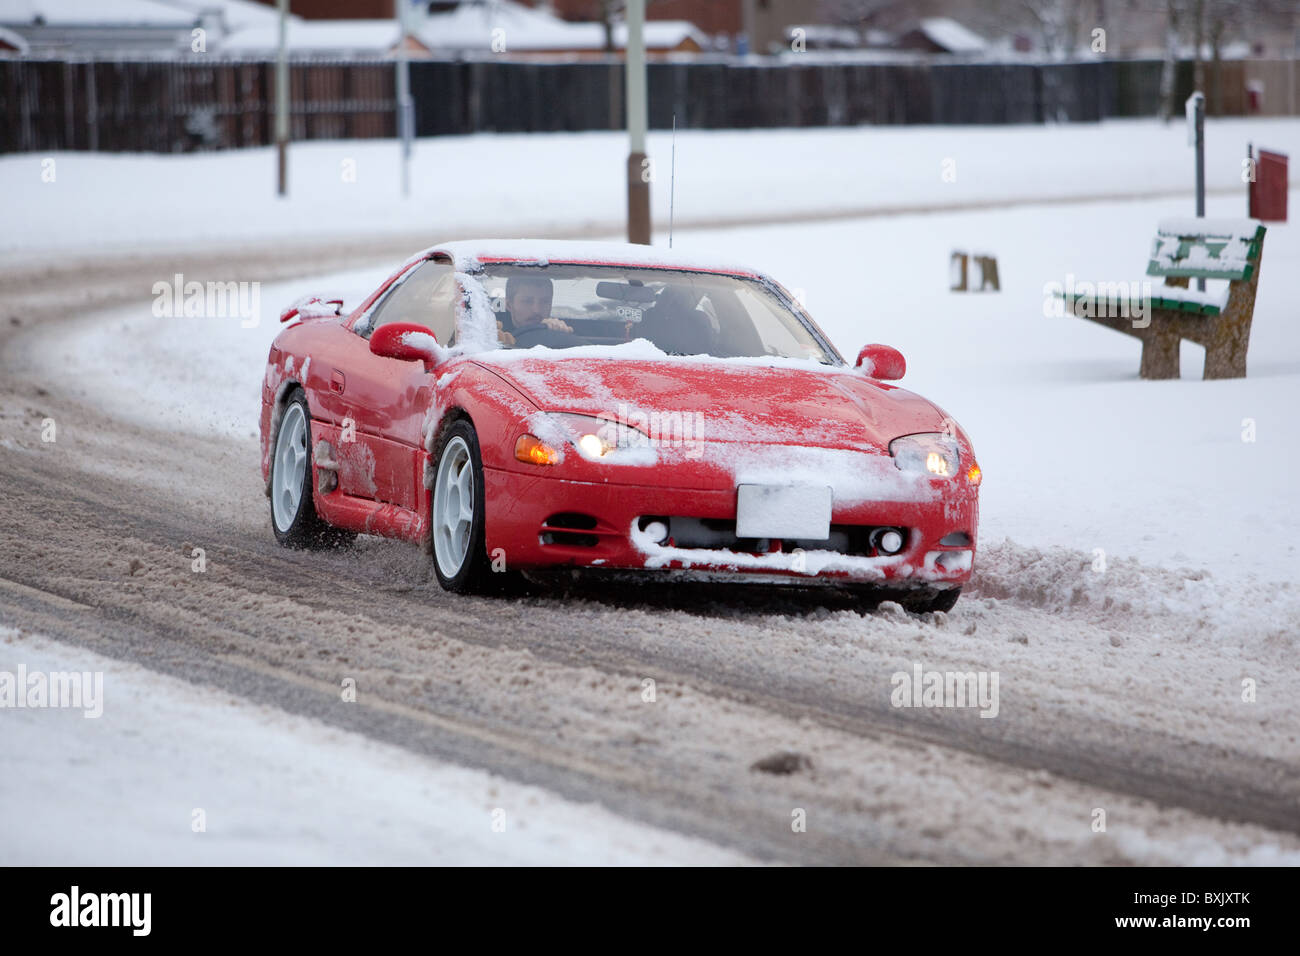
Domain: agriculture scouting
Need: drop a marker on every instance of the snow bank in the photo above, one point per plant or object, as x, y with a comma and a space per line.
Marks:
124, 789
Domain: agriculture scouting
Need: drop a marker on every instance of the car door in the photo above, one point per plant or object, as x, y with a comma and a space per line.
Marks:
381, 403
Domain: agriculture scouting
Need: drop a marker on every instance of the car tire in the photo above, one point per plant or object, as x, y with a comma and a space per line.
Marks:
457, 513
935, 601
293, 509
915, 601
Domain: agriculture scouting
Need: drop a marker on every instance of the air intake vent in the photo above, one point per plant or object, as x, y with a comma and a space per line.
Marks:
571, 519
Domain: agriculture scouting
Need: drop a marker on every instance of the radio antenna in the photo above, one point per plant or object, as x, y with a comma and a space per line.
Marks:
672, 182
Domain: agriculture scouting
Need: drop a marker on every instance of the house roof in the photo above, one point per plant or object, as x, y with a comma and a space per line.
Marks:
10, 39
951, 35
471, 26
119, 13
235, 14
325, 36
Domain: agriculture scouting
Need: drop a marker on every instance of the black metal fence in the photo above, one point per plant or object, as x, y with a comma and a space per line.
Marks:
174, 106
470, 97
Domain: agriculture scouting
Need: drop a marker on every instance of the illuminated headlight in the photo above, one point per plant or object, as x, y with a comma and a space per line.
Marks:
934, 454
593, 446
597, 438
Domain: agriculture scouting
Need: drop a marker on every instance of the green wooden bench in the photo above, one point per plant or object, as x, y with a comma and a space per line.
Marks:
1186, 249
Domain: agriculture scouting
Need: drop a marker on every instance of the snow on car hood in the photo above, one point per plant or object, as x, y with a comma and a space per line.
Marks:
750, 401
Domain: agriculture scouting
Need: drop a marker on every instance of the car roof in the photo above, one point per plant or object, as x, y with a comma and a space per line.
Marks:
470, 255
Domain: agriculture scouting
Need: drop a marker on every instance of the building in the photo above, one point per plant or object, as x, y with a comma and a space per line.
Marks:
763, 24
942, 35
340, 9
506, 28
11, 42
58, 27
350, 38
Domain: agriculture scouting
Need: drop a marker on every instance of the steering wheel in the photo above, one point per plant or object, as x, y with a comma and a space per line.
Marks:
541, 335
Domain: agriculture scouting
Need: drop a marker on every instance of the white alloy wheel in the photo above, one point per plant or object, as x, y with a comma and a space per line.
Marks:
289, 467
453, 507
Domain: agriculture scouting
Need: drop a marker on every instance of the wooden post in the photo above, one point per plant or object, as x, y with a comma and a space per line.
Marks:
958, 258
638, 171
988, 273
282, 102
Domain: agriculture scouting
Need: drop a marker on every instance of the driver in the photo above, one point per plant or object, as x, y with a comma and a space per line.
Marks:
528, 298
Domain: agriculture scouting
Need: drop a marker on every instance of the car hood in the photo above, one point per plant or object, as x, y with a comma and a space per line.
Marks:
729, 400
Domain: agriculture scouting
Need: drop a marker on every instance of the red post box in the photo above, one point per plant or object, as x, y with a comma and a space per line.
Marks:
1268, 189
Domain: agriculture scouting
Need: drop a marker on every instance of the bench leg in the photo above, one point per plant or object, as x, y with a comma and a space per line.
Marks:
1225, 363
958, 259
1225, 354
1160, 356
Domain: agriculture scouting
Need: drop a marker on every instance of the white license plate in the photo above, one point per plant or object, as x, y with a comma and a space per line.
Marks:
783, 511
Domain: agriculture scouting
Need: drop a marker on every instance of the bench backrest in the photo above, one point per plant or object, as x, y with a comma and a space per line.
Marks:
1206, 248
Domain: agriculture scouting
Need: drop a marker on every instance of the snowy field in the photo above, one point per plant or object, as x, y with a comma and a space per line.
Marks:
1197, 526
542, 184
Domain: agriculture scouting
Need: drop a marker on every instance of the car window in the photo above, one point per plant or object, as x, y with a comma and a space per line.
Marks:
681, 312
779, 338
425, 296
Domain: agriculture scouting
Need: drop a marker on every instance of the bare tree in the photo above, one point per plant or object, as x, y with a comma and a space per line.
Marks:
1198, 41
1223, 19
861, 15
610, 13
1058, 24
1175, 11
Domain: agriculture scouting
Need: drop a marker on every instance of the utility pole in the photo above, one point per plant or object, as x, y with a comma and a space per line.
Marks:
638, 167
282, 99
405, 108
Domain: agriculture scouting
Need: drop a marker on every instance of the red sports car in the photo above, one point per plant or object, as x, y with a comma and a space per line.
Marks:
521, 406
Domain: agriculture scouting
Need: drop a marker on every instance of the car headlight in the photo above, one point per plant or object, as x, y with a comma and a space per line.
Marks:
597, 438
932, 454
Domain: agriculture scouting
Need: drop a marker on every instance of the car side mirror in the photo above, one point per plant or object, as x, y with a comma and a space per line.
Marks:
407, 342
881, 362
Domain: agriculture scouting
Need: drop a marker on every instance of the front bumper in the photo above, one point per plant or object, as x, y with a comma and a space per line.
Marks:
538, 522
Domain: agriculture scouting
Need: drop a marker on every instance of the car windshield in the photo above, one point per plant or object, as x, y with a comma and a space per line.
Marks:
680, 312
